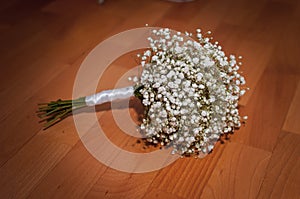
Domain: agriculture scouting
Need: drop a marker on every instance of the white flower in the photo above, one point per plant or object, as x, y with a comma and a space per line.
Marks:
199, 76
191, 90
135, 79
207, 62
201, 86
196, 60
242, 92
204, 113
178, 49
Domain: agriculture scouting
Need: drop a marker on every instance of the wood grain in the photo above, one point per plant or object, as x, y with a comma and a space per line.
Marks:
239, 174
283, 176
194, 176
42, 46
154, 193
292, 123
267, 109
72, 177
126, 186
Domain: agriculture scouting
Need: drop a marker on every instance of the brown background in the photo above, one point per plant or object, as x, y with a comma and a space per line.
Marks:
42, 44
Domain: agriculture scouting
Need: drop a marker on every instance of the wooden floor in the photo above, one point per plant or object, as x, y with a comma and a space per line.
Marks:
42, 44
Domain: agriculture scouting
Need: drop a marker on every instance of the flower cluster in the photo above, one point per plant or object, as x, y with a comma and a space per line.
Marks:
190, 90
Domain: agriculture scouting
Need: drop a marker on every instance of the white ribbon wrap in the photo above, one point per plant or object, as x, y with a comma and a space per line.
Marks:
109, 95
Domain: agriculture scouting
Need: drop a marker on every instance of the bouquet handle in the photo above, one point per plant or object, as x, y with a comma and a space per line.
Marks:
55, 111
109, 95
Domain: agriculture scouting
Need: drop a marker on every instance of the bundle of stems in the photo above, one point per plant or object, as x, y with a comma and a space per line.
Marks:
55, 111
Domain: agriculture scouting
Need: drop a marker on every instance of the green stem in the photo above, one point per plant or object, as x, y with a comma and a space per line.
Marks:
55, 111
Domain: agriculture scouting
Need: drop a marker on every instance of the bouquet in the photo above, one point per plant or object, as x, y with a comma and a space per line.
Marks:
189, 88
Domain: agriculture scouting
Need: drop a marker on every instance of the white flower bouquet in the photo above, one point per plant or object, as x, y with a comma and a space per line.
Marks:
189, 88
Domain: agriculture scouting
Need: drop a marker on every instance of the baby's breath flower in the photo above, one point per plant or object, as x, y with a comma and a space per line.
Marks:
190, 90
